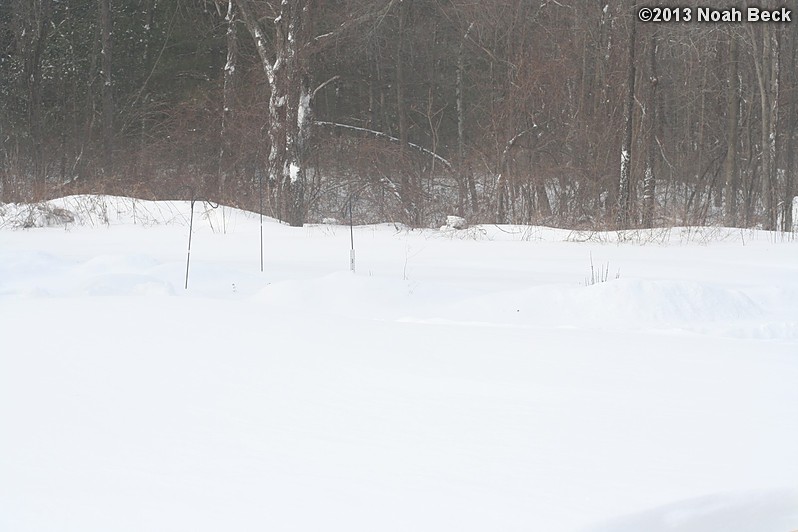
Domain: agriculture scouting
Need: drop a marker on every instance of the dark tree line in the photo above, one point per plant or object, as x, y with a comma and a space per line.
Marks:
568, 113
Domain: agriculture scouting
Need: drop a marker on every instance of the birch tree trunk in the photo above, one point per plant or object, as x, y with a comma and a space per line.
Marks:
289, 102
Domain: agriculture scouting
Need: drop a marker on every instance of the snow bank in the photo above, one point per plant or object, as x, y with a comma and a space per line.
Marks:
617, 304
737, 512
117, 210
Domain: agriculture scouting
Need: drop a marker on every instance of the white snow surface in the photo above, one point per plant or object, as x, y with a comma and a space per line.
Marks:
463, 381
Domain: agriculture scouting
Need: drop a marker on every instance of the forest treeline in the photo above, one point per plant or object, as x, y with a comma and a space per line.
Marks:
570, 113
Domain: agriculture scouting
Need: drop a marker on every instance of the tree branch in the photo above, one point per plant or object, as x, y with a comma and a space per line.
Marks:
321, 40
259, 35
389, 137
317, 89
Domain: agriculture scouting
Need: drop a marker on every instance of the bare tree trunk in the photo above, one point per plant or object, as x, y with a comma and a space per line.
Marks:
790, 130
293, 102
5, 188
543, 203
625, 182
732, 117
700, 172
767, 73
789, 171
466, 178
650, 179
409, 187
401, 107
148, 10
289, 101
226, 159
501, 193
605, 30
773, 122
107, 90
502, 186
39, 19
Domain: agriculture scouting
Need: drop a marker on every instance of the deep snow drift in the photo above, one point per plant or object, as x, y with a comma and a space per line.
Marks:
460, 380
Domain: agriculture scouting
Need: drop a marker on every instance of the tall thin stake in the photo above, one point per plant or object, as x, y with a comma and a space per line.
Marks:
260, 187
190, 230
351, 239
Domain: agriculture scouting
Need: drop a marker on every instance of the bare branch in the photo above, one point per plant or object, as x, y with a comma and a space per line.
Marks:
317, 89
257, 31
389, 137
321, 40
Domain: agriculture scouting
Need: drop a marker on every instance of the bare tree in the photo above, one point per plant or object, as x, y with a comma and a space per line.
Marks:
766, 62
34, 17
650, 178
790, 130
281, 39
625, 183
467, 187
231, 76
732, 112
285, 40
106, 25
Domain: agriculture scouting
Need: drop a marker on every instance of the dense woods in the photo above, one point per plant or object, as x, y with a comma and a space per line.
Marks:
570, 113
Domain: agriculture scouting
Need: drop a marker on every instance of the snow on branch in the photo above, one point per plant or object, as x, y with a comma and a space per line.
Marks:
512, 142
317, 89
389, 137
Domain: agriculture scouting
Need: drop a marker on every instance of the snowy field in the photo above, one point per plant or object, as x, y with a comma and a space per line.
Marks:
467, 380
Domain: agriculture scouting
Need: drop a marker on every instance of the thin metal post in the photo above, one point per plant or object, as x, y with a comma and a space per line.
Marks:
260, 187
190, 230
351, 239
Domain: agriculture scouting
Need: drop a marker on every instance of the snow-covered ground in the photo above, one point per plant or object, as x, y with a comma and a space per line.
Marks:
459, 381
